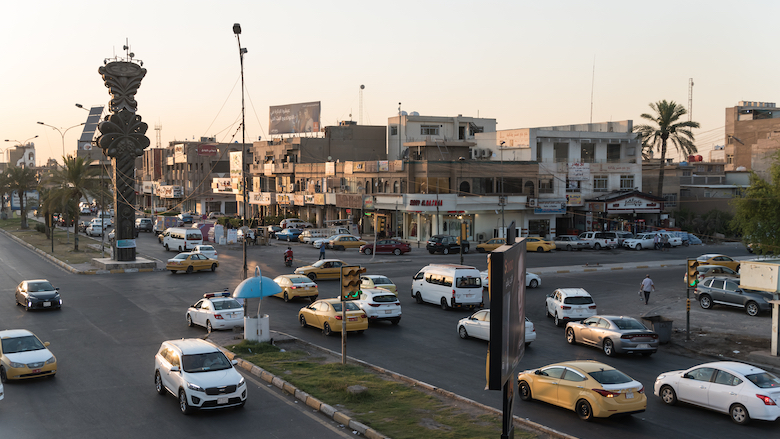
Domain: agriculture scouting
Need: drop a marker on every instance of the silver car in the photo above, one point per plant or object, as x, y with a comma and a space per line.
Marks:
613, 334
569, 243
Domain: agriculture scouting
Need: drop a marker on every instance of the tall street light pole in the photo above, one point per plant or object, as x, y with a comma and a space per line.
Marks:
241, 52
62, 134
18, 144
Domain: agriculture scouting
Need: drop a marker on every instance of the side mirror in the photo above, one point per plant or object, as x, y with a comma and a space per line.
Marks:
234, 362
175, 369
537, 372
57, 289
46, 344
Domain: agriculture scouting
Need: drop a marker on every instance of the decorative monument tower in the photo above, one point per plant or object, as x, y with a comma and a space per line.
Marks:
123, 138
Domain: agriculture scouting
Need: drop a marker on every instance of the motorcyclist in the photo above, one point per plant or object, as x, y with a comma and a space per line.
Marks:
288, 254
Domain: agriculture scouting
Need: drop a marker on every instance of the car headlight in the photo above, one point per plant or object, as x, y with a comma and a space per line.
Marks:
660, 377
51, 360
17, 365
195, 387
241, 382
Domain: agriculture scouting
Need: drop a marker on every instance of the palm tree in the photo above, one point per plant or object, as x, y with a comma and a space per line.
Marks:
21, 180
70, 183
667, 127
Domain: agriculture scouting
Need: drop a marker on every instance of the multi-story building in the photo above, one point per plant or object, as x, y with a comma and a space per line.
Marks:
749, 124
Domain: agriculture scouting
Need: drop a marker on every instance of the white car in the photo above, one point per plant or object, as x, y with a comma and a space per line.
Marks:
566, 304
199, 374
647, 240
96, 227
2, 392
477, 325
531, 280
207, 250
379, 304
743, 391
216, 311
317, 242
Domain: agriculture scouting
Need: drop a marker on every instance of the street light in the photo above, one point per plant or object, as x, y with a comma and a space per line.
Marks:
8, 160
62, 134
241, 52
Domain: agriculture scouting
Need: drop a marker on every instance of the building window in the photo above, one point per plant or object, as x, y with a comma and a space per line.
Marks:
670, 200
573, 185
613, 153
730, 159
561, 152
600, 183
539, 150
686, 173
395, 187
429, 130
393, 131
626, 182
587, 152
546, 185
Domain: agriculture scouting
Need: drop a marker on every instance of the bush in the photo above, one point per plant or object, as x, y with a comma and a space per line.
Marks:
40, 227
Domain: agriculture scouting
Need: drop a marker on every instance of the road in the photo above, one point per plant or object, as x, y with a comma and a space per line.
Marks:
111, 326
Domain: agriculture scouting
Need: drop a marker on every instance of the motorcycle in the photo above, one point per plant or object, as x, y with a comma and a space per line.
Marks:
288, 261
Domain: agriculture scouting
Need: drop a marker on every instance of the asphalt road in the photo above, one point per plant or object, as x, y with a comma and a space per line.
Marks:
111, 325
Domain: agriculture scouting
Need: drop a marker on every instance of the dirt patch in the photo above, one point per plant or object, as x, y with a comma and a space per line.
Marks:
717, 345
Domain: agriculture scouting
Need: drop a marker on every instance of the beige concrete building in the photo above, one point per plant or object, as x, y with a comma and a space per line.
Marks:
747, 125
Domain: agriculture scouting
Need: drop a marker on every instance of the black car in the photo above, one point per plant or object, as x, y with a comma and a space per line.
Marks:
726, 291
38, 294
445, 244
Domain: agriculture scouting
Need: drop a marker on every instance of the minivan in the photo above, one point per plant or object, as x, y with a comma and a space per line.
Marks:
182, 239
449, 285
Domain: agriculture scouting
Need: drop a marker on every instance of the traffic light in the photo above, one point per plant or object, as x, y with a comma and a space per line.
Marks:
350, 281
693, 275
381, 224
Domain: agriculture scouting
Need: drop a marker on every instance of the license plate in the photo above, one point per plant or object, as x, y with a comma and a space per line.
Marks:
36, 371
629, 395
45, 304
353, 319
222, 400
643, 346
468, 295
388, 311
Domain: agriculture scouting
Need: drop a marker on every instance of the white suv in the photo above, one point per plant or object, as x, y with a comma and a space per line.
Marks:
199, 374
567, 304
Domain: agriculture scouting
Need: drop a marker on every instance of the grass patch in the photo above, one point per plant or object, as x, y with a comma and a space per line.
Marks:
396, 409
63, 241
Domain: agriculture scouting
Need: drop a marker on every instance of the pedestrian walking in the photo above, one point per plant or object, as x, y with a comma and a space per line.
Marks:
656, 240
665, 242
322, 250
646, 287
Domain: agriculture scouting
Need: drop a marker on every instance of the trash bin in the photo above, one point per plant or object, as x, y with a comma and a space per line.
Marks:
662, 326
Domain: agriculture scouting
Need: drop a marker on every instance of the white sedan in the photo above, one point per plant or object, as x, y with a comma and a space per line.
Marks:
738, 389
207, 250
477, 325
379, 304
531, 280
216, 311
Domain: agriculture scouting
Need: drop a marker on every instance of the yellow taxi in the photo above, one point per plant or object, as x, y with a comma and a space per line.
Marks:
590, 388
538, 244
322, 269
491, 245
296, 285
343, 242
189, 262
377, 281
23, 355
718, 259
326, 315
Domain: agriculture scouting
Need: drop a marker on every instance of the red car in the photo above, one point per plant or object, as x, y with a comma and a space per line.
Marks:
386, 246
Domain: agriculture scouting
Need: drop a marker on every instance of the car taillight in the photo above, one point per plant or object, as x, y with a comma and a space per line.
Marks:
218, 317
565, 307
606, 393
642, 390
362, 316
374, 304
592, 307
294, 287
767, 400
453, 294
338, 316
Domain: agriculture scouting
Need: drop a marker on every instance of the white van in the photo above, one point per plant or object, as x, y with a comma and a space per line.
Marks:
182, 239
450, 285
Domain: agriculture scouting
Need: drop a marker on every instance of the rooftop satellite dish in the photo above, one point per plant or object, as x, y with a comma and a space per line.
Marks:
362, 87
330, 158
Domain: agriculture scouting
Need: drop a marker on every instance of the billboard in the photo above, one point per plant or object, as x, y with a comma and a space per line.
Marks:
295, 118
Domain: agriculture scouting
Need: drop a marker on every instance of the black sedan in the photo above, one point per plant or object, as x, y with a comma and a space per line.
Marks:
726, 291
37, 294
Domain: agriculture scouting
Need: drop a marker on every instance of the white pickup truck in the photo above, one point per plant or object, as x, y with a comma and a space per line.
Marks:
647, 240
599, 240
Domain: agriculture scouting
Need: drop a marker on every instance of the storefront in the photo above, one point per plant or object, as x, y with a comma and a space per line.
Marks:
632, 211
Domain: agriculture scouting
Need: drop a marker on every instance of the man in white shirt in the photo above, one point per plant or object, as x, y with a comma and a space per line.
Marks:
647, 287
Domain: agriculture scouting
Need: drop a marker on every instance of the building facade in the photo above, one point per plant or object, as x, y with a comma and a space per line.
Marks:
749, 124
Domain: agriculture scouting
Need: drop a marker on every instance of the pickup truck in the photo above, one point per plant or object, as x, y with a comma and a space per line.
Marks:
599, 240
647, 240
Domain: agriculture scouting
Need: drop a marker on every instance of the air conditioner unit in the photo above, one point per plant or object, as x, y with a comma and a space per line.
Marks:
474, 153
532, 202
292, 188
486, 153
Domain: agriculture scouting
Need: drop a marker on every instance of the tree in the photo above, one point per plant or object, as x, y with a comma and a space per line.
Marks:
758, 210
21, 180
71, 182
667, 128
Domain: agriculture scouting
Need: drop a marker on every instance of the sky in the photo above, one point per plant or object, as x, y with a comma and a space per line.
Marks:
526, 64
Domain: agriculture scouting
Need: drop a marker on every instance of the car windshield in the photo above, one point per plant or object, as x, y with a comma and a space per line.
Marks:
300, 280
469, 282
610, 376
21, 344
627, 323
350, 306
226, 304
764, 380
578, 300
385, 298
181, 256
382, 281
34, 287
205, 362
206, 248
319, 263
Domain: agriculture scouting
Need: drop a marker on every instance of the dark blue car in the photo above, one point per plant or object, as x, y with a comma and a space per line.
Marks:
289, 235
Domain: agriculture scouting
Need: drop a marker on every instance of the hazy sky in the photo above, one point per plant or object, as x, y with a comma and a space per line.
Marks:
526, 64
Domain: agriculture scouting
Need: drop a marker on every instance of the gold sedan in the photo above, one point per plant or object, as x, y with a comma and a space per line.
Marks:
537, 244
296, 285
377, 281
322, 269
326, 315
343, 242
718, 259
23, 355
590, 388
189, 262
491, 245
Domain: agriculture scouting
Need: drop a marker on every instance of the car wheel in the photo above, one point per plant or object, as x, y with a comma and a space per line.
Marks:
584, 410
547, 311
444, 305
179, 249
752, 309
739, 414
525, 391
3, 376
597, 246
418, 298
312, 276
27, 306
367, 251
395, 321
638, 247
568, 248
556, 320
570, 336
326, 329
609, 348
539, 250
445, 251
286, 297
480, 250
213, 267
189, 269
534, 283
208, 326
189, 320
397, 252
303, 321
158, 385
705, 301
184, 406
313, 299
463, 333
173, 271
166, 248
431, 251
668, 396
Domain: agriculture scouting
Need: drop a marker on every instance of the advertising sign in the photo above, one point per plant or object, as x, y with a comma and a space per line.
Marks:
236, 164
295, 118
207, 150
574, 199
170, 192
330, 168
579, 171
125, 243
261, 198
222, 185
550, 206
284, 199
634, 204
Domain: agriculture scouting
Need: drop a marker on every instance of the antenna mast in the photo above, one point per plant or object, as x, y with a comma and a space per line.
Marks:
158, 128
592, 85
360, 117
690, 99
